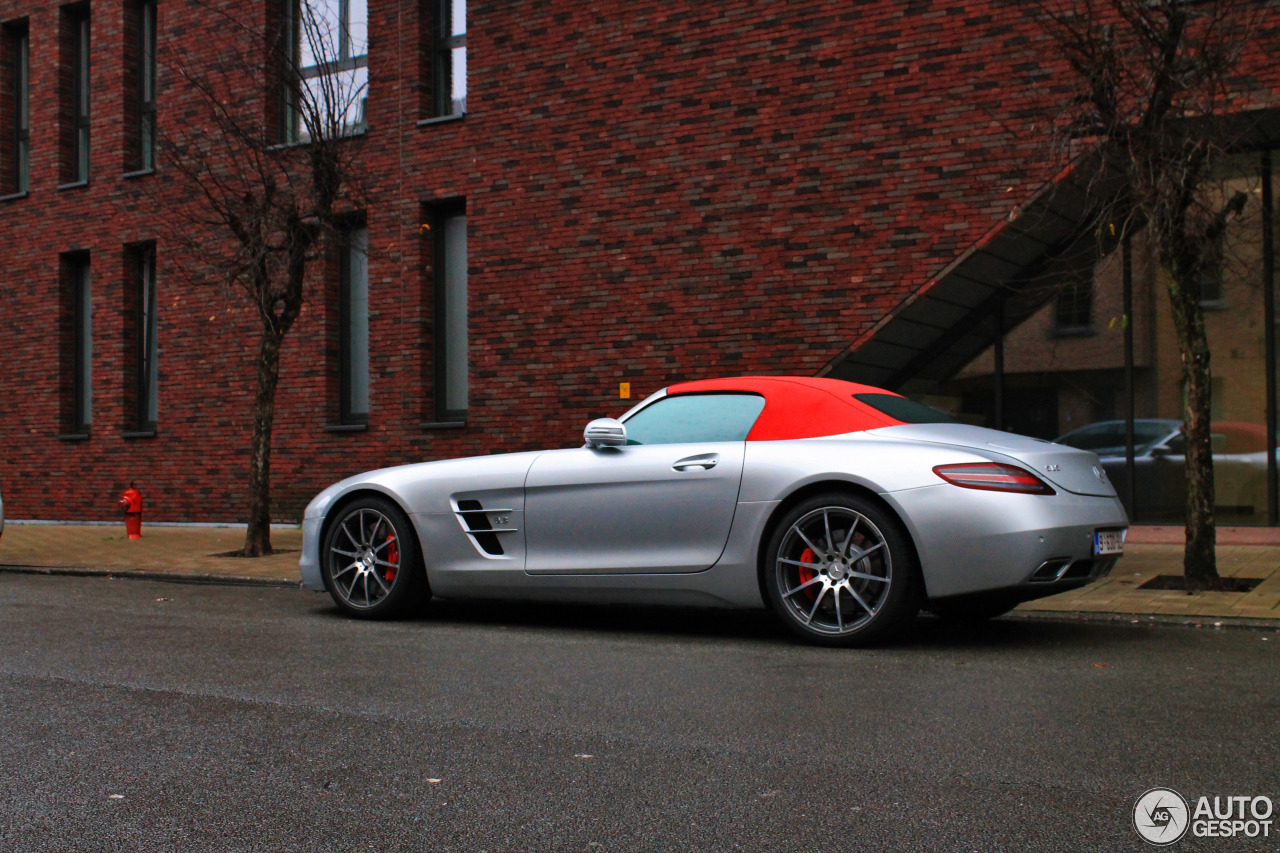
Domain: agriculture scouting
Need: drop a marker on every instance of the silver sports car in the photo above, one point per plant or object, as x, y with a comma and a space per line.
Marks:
843, 507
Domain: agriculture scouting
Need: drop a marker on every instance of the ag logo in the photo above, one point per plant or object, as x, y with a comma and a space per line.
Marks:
1161, 816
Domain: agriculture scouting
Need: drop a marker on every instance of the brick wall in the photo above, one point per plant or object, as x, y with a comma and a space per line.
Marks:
654, 192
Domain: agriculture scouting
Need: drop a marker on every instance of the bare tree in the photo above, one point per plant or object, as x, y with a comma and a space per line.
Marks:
1153, 113
268, 152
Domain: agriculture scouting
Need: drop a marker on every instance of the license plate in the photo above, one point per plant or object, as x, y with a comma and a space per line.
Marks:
1108, 542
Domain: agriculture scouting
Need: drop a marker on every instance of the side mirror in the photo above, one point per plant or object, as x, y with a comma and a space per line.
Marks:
1160, 451
605, 432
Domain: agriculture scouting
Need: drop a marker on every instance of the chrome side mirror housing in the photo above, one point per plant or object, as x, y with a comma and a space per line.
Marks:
605, 432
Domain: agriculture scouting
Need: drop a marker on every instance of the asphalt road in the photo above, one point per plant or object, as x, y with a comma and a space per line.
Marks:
147, 716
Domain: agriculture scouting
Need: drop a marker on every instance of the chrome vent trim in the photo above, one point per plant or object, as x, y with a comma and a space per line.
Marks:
474, 518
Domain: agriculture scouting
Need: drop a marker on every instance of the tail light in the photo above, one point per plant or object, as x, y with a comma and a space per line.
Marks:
994, 477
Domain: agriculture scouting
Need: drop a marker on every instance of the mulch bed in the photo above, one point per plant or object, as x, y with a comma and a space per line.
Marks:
1179, 582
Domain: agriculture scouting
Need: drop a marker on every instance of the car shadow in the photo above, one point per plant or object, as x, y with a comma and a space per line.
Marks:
688, 622
930, 632
926, 633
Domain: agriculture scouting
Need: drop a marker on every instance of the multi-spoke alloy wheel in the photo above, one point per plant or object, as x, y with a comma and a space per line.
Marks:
371, 560
839, 571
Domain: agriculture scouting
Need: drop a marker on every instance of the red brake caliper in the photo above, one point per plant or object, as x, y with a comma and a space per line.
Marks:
807, 574
393, 557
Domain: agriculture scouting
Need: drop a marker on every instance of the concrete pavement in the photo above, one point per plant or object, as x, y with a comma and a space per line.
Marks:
191, 553
153, 717
199, 554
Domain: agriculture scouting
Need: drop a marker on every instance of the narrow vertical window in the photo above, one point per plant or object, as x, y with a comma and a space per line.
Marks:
76, 74
1211, 277
353, 320
17, 105
141, 86
451, 58
282, 61
77, 350
147, 352
1073, 310
329, 43
450, 275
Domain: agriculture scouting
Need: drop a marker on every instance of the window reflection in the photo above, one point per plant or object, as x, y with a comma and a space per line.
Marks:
1065, 370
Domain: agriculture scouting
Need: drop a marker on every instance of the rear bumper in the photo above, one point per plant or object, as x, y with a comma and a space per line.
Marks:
972, 541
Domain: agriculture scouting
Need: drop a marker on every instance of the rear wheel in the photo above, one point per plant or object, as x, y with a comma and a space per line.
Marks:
840, 571
371, 561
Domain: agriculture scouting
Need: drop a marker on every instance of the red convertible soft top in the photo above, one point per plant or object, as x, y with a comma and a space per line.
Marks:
800, 406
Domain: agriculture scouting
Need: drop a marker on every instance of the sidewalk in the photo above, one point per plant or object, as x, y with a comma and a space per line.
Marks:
188, 553
196, 554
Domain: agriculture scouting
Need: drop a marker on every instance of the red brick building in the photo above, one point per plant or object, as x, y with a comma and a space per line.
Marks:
619, 193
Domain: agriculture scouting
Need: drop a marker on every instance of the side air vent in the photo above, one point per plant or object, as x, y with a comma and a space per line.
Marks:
475, 518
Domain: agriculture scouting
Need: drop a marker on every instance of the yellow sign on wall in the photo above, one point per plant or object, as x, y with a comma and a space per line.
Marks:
624, 390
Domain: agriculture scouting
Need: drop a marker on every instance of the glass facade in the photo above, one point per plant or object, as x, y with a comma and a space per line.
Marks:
1098, 366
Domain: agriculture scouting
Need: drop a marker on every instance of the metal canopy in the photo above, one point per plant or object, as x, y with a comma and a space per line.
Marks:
997, 284
1002, 280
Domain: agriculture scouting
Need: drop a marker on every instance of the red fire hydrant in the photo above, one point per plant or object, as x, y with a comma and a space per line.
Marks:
131, 503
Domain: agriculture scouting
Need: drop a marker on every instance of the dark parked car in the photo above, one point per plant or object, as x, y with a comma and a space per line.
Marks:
1159, 454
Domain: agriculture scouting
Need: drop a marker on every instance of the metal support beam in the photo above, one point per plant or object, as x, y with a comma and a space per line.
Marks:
1269, 318
999, 377
1130, 467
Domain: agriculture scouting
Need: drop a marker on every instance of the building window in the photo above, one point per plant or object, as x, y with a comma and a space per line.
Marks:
451, 58
17, 108
450, 310
1211, 277
1074, 309
77, 349
353, 325
75, 21
146, 373
140, 83
329, 40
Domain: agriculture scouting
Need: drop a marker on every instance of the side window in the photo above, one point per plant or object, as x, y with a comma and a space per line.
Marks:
1146, 435
695, 417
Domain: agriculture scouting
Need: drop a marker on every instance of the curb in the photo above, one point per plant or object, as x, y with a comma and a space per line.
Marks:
145, 575
1108, 617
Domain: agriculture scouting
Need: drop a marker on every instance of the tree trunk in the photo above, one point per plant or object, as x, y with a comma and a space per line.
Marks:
257, 540
1199, 559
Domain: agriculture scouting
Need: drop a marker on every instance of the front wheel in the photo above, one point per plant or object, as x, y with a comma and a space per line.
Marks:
371, 561
840, 571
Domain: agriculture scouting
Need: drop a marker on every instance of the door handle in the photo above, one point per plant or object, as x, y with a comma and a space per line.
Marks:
706, 462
